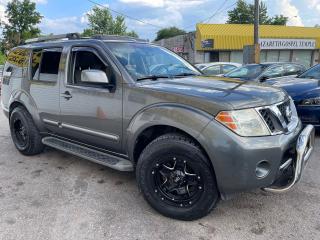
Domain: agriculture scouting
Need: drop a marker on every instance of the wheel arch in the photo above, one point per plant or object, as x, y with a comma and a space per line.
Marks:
160, 119
23, 99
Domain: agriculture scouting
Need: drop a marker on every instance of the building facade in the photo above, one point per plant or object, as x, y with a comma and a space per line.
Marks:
225, 43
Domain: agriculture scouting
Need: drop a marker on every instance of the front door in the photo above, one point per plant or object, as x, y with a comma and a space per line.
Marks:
91, 112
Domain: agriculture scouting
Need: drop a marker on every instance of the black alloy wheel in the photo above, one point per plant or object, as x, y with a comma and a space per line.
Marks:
177, 182
24, 133
176, 178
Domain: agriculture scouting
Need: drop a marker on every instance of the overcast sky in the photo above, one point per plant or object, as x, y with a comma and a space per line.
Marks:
62, 16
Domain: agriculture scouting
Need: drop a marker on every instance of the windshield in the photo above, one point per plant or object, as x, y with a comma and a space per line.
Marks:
313, 73
145, 60
248, 72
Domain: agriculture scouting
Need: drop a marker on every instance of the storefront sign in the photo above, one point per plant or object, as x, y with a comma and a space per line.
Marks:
207, 43
275, 43
178, 49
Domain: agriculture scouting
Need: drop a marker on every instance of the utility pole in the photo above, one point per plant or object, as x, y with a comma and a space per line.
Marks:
256, 31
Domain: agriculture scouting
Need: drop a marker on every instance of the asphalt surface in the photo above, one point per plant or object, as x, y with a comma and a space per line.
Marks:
59, 196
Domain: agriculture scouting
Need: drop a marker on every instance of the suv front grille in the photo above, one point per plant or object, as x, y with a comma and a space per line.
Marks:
265, 113
277, 117
283, 108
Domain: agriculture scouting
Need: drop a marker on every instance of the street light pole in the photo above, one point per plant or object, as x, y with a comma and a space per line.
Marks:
256, 31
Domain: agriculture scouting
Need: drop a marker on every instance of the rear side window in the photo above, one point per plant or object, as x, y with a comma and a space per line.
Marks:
213, 70
17, 60
227, 68
45, 65
292, 69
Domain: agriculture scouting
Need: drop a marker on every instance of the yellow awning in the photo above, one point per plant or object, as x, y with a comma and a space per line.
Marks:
236, 36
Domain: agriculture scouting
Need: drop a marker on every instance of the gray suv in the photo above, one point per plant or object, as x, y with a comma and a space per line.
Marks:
134, 106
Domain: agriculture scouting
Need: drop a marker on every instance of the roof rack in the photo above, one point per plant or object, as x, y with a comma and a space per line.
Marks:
73, 36
68, 36
117, 37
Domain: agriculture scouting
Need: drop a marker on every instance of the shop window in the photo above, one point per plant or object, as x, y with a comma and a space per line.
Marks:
236, 56
224, 57
263, 56
303, 57
272, 56
284, 56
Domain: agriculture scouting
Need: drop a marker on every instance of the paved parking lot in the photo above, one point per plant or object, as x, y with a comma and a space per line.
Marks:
58, 196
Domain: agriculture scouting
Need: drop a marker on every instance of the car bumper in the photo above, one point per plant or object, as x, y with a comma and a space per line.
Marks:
309, 115
239, 161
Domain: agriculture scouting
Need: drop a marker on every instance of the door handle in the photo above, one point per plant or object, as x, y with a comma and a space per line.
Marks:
66, 95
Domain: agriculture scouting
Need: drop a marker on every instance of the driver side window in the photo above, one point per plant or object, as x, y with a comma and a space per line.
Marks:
87, 59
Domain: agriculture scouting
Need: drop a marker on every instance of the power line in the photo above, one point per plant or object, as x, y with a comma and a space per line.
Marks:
221, 6
124, 15
219, 9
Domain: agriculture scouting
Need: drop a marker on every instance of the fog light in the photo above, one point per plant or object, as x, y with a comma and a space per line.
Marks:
263, 169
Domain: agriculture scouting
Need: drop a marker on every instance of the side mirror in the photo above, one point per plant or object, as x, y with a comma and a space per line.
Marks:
264, 78
94, 76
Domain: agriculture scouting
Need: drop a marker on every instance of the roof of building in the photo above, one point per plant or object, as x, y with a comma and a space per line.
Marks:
235, 36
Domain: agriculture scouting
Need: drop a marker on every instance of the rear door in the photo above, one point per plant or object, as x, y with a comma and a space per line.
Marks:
91, 113
43, 84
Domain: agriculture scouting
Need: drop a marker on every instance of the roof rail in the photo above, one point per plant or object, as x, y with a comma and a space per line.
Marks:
117, 37
68, 36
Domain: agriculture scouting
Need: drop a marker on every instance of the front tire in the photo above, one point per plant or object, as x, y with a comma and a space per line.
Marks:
176, 178
24, 133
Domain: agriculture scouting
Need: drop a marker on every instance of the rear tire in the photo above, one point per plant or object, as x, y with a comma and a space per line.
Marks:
24, 133
176, 178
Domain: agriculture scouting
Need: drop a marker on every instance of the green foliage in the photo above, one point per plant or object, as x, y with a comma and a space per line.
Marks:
279, 20
102, 22
169, 32
2, 58
22, 18
243, 13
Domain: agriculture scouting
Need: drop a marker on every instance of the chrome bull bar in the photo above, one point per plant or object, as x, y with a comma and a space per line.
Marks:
304, 149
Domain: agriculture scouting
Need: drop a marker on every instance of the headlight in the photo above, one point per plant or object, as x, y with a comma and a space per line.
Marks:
246, 123
311, 101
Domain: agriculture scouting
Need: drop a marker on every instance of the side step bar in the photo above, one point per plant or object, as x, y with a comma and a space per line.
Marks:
105, 159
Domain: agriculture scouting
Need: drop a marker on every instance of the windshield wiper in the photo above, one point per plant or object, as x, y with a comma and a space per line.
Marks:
153, 77
185, 75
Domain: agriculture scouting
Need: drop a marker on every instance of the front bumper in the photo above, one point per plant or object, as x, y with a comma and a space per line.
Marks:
235, 159
304, 149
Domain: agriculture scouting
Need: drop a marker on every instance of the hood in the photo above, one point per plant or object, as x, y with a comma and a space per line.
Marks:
221, 91
295, 86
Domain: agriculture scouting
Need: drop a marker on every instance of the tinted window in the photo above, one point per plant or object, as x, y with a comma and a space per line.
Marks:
272, 72
50, 62
313, 73
17, 60
228, 68
248, 72
213, 70
292, 69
